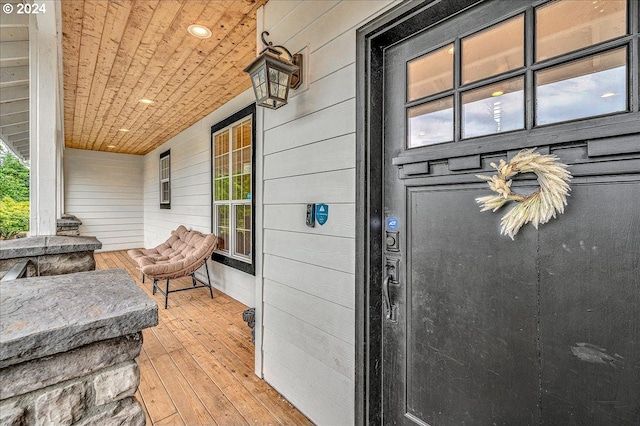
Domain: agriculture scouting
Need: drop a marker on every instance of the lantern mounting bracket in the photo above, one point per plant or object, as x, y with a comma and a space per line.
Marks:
283, 52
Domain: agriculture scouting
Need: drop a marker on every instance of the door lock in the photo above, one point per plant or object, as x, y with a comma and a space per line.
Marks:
391, 266
392, 241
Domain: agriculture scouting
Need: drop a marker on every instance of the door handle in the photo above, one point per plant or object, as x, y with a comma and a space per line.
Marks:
391, 271
390, 310
385, 297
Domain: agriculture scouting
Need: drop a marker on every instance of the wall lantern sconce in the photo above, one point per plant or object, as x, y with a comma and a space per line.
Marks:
272, 73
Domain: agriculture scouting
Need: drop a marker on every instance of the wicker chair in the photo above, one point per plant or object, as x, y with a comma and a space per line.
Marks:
180, 256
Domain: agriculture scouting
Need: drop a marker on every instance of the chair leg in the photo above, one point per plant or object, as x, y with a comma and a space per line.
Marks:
166, 295
155, 282
208, 279
141, 273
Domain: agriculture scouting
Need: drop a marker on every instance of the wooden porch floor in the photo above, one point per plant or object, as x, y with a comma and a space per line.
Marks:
196, 366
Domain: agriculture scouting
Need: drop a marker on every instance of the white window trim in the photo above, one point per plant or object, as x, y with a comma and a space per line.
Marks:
231, 241
165, 158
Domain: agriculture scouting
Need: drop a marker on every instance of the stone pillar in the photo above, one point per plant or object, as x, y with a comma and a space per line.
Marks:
68, 226
68, 348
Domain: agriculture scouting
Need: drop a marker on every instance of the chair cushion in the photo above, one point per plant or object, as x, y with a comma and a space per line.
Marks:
182, 254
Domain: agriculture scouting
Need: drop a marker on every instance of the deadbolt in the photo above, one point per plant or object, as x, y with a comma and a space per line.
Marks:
392, 241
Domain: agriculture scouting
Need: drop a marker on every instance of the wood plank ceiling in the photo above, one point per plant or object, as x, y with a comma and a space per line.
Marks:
117, 52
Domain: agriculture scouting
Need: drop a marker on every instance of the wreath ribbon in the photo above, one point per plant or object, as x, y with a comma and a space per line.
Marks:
539, 206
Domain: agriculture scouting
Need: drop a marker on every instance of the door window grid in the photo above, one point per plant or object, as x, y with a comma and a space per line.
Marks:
503, 109
232, 190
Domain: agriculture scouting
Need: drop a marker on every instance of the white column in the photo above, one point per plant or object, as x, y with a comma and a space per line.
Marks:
45, 123
258, 208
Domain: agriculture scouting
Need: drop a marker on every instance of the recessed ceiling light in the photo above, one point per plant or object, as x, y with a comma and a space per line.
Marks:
497, 93
123, 130
199, 31
111, 146
450, 51
145, 101
608, 94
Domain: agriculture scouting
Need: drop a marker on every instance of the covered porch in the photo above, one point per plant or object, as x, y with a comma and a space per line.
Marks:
406, 302
196, 366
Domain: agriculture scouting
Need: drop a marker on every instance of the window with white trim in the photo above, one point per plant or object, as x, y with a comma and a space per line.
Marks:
232, 186
165, 180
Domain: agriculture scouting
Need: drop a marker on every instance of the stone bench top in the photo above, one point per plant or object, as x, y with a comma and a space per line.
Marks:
42, 316
39, 246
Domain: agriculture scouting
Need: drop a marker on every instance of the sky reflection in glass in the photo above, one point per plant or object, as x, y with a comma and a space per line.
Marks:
431, 123
493, 109
583, 96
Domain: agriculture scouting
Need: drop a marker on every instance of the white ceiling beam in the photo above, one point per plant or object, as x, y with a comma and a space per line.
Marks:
21, 145
17, 152
14, 129
14, 76
14, 53
14, 106
15, 93
14, 49
14, 19
14, 33
18, 137
11, 119
23, 153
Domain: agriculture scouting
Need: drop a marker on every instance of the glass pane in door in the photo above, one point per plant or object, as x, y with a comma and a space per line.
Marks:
493, 51
430, 123
430, 74
568, 25
586, 88
492, 109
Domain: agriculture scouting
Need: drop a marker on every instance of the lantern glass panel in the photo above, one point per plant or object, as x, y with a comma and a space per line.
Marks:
260, 84
278, 83
283, 85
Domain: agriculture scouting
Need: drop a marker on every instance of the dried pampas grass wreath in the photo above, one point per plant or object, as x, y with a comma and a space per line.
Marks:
539, 206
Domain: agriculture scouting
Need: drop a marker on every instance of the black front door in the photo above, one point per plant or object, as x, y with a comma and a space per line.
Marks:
476, 328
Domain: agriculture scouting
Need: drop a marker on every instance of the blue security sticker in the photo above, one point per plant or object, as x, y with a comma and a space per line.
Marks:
322, 213
392, 223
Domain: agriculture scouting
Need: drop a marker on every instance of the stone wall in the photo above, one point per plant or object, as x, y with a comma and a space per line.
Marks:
68, 348
82, 386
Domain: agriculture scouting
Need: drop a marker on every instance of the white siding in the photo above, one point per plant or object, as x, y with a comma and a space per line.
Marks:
309, 157
191, 194
305, 287
104, 191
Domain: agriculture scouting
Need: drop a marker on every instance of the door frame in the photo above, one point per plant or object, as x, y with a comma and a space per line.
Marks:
399, 23
372, 39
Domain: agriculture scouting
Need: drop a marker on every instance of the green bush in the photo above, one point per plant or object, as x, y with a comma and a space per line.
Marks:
14, 178
14, 217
